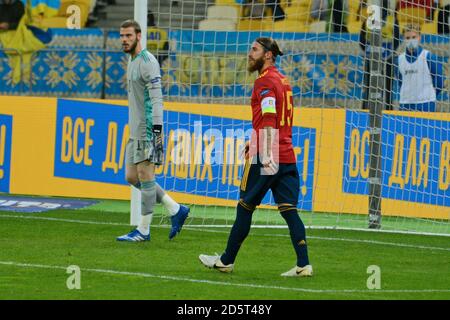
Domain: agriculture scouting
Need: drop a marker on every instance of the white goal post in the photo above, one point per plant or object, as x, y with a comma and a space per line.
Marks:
140, 15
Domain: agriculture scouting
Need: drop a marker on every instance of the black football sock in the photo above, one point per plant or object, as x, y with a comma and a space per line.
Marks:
298, 235
239, 232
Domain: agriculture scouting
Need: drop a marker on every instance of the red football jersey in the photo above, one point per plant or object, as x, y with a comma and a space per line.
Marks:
273, 106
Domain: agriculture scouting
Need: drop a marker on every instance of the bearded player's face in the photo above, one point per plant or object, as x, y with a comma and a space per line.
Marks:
256, 58
129, 39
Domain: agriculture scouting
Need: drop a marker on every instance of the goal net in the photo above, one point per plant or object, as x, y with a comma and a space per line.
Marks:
371, 124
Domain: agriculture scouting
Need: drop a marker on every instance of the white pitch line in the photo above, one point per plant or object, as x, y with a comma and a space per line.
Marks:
65, 220
336, 228
221, 283
375, 242
394, 244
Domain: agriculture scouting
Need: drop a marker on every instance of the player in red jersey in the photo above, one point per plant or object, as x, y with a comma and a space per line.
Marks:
270, 161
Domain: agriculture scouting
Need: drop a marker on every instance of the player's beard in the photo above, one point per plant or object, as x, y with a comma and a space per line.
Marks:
255, 64
131, 48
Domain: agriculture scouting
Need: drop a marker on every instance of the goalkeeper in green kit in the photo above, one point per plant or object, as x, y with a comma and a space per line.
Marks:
145, 149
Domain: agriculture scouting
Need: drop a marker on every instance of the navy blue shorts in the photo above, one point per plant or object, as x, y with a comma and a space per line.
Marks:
285, 184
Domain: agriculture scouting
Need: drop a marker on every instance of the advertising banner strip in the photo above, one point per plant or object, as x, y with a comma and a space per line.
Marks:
415, 158
202, 152
5, 151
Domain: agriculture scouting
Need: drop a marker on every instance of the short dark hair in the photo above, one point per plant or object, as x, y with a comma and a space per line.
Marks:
271, 45
131, 23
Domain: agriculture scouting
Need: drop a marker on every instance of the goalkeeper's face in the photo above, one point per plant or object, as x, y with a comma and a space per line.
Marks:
129, 39
256, 58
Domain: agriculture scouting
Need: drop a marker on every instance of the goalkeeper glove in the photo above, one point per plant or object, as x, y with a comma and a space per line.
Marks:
158, 148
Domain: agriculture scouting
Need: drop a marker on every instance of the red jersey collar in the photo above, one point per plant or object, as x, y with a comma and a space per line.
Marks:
266, 70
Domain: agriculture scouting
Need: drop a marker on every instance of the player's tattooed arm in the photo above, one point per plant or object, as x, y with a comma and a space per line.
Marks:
267, 144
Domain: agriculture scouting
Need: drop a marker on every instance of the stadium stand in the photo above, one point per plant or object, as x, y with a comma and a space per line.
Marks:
422, 12
431, 27
220, 17
98, 11
444, 17
60, 21
228, 15
223, 12
412, 14
299, 10
187, 14
248, 24
95, 54
226, 2
414, 11
357, 14
297, 18
157, 39
217, 24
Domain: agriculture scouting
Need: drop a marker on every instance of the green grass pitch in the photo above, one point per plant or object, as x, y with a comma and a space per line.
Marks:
36, 249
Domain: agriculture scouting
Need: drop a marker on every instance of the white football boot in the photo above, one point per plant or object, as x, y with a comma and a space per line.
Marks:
306, 271
214, 262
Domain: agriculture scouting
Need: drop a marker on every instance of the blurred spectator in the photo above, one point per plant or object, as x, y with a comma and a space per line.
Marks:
390, 41
428, 5
11, 11
277, 10
93, 9
338, 21
320, 10
97, 11
253, 9
444, 17
420, 74
157, 39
